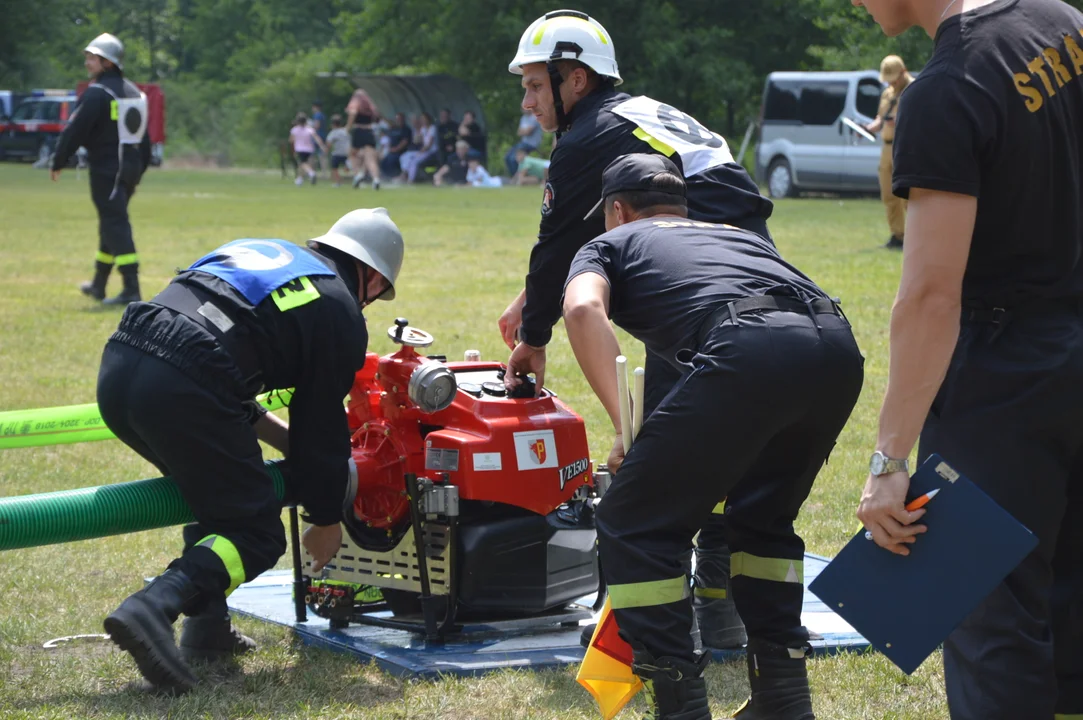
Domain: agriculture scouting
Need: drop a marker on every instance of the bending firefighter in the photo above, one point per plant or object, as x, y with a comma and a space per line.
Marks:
769, 373
177, 385
569, 72
110, 121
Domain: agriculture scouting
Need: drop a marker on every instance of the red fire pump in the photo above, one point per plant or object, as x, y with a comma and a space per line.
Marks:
497, 490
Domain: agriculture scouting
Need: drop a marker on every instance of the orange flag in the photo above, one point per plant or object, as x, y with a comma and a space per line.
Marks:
606, 671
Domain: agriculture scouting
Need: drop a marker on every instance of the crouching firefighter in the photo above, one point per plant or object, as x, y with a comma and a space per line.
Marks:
770, 374
110, 121
177, 385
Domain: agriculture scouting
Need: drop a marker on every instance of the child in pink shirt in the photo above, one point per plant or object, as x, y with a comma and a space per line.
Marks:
305, 140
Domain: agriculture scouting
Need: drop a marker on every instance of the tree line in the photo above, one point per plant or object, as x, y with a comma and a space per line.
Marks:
236, 71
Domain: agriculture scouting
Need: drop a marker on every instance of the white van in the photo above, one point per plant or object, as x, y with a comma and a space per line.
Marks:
807, 141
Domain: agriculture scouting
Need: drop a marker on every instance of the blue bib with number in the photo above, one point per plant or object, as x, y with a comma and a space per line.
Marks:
256, 268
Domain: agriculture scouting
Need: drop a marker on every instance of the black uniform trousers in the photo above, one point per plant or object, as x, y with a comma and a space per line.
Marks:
754, 419
659, 378
1009, 415
205, 441
114, 228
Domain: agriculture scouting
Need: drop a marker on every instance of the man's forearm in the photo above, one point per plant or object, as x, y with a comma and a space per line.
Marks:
924, 332
596, 348
274, 431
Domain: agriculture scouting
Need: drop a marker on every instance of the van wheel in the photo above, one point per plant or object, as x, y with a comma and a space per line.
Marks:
780, 179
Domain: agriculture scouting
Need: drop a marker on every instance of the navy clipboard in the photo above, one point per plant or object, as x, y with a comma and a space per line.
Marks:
907, 606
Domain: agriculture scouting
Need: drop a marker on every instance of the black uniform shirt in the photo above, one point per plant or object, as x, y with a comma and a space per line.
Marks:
92, 126
667, 274
997, 113
447, 134
315, 348
597, 136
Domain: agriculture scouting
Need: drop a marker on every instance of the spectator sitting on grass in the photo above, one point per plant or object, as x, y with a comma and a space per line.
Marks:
477, 175
530, 139
339, 142
532, 170
414, 160
454, 170
447, 133
470, 131
398, 142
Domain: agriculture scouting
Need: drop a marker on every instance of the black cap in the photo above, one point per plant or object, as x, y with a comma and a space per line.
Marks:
636, 172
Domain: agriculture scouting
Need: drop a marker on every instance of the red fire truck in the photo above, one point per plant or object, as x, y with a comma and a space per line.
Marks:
37, 121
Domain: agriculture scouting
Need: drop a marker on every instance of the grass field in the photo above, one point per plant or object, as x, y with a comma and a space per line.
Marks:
466, 257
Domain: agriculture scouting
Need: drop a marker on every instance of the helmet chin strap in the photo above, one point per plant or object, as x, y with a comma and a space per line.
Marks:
563, 51
555, 79
365, 286
364, 283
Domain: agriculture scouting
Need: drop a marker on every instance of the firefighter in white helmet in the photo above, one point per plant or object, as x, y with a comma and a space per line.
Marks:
110, 121
177, 385
569, 70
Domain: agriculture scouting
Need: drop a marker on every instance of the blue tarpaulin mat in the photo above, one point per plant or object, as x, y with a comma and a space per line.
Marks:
483, 648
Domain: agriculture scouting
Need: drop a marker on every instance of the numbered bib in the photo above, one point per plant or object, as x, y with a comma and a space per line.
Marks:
670, 131
130, 115
258, 268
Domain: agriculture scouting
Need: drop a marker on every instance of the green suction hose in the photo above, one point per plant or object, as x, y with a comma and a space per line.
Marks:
79, 423
67, 516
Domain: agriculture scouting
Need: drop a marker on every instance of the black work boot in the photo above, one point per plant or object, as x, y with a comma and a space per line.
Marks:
894, 243
779, 683
130, 293
719, 624
675, 688
143, 627
209, 636
96, 287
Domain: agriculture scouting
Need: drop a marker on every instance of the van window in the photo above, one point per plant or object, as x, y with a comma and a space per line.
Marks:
868, 97
782, 101
50, 111
27, 111
823, 102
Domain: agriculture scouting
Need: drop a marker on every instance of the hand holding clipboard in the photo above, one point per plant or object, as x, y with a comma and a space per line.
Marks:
907, 605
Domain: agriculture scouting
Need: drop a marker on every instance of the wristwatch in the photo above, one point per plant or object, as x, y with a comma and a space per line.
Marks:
881, 464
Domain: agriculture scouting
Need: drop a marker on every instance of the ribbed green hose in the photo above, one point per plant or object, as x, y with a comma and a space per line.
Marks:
67, 516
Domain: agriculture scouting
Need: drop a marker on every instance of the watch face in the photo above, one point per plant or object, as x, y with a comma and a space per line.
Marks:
876, 465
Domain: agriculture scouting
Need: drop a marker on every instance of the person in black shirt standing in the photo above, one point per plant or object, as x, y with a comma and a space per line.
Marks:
177, 385
471, 132
569, 72
110, 121
769, 375
987, 329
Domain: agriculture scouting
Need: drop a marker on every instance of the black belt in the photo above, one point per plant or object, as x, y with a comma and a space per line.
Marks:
201, 308
888, 142
765, 303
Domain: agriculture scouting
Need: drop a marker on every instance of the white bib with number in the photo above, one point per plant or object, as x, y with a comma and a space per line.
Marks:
130, 114
132, 119
669, 131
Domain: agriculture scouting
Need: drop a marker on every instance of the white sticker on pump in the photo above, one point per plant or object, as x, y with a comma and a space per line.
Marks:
487, 461
536, 450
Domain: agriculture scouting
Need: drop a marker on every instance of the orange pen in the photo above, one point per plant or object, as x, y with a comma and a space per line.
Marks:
920, 502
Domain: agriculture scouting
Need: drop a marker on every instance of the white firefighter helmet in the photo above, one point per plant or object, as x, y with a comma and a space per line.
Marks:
371, 237
109, 47
567, 35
